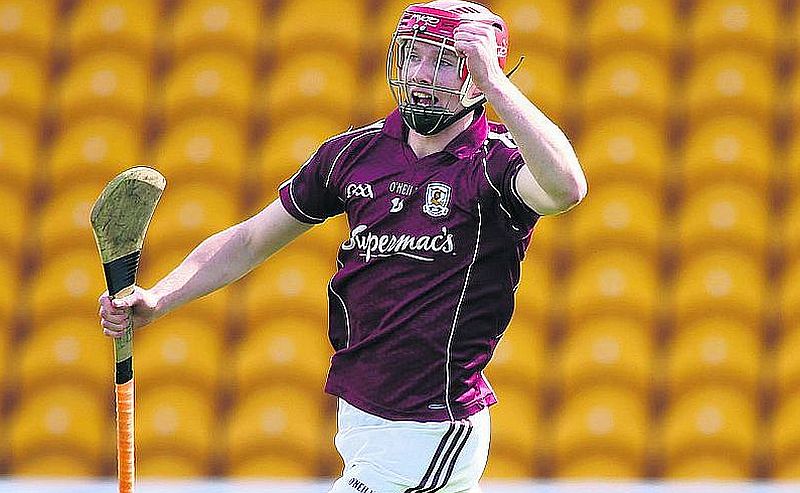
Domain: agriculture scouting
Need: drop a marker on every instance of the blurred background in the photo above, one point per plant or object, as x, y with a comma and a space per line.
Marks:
657, 330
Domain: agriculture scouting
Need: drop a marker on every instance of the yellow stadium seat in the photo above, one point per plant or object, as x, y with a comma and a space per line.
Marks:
725, 216
96, 149
789, 295
623, 215
28, 27
107, 84
379, 100
303, 25
633, 83
273, 464
712, 351
381, 27
67, 350
709, 433
790, 104
727, 283
10, 282
742, 25
189, 214
22, 87
318, 80
175, 419
790, 229
5, 345
605, 428
209, 83
229, 25
543, 77
604, 351
539, 25
63, 222
613, 282
730, 83
534, 300
786, 363
716, 467
291, 143
283, 422
170, 465
57, 466
549, 237
625, 148
294, 280
520, 357
507, 466
127, 26
57, 422
617, 24
181, 349
16, 224
282, 349
204, 149
728, 149
784, 438
19, 153
601, 467
515, 422
68, 283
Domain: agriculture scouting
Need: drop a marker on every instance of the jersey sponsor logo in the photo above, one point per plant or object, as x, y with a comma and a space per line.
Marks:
359, 190
437, 198
397, 205
359, 486
371, 245
402, 188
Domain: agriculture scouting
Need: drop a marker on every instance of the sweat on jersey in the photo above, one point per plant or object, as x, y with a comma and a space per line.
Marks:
426, 280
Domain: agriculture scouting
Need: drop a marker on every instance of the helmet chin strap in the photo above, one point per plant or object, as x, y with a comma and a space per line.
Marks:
428, 125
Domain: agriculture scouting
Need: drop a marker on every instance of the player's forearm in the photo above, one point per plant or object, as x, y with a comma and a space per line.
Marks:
548, 153
216, 262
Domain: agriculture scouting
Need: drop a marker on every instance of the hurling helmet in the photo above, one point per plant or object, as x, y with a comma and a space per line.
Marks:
433, 23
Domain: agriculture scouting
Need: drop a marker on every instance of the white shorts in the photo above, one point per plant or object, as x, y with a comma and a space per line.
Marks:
383, 456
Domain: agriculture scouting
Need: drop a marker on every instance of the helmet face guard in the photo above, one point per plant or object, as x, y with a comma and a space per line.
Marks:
435, 27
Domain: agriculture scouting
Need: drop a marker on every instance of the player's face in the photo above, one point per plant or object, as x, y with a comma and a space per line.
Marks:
420, 67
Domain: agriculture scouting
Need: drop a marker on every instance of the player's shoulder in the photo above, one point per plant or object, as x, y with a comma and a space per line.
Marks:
352, 135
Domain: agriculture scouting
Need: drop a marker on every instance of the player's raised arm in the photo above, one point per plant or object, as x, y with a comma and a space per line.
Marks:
553, 180
216, 262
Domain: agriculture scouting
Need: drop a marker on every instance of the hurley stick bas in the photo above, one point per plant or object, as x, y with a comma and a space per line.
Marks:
120, 217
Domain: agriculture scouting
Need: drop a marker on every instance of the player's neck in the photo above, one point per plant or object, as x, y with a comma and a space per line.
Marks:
425, 145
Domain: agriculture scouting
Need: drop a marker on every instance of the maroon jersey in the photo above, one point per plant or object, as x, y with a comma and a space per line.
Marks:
426, 280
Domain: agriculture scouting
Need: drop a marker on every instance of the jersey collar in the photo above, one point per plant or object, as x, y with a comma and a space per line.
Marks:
462, 146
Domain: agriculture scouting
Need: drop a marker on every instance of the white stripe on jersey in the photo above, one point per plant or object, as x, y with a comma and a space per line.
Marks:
505, 138
291, 194
499, 196
346, 315
455, 318
372, 129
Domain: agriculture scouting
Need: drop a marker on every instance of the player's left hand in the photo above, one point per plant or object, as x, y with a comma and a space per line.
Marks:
476, 41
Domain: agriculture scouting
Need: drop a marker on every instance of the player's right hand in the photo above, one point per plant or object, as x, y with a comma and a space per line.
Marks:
115, 314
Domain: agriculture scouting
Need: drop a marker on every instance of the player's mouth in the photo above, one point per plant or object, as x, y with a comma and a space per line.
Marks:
423, 98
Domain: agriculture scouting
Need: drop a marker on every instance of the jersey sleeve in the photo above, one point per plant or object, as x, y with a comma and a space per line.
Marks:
310, 195
501, 172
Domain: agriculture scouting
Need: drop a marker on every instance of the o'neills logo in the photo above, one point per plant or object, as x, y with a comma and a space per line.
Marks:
387, 245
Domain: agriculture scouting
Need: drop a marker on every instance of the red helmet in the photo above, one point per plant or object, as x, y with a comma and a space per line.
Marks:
433, 23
